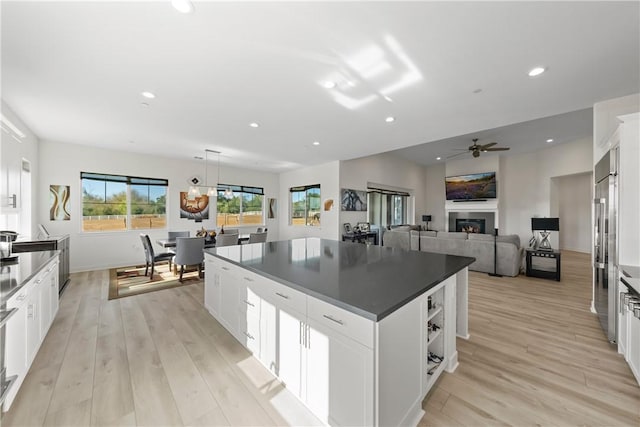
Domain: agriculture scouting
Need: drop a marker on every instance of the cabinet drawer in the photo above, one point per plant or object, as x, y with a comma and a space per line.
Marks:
284, 295
349, 324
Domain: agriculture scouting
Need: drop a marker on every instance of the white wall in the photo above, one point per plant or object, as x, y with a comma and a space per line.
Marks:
435, 196
11, 154
572, 204
605, 121
327, 175
524, 182
387, 171
61, 164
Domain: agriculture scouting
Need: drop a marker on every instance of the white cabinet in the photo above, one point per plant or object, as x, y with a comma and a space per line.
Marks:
348, 370
212, 287
37, 305
339, 384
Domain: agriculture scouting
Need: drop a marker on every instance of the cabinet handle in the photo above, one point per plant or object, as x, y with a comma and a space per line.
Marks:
38, 281
339, 322
30, 312
248, 303
248, 335
21, 297
248, 279
307, 335
225, 268
282, 295
13, 201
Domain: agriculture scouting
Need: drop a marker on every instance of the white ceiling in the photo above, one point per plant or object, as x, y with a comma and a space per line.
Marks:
74, 71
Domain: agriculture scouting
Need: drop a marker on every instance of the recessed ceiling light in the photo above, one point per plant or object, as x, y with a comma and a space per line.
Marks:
549, 140
329, 84
316, 143
148, 95
182, 6
254, 125
390, 119
438, 158
537, 71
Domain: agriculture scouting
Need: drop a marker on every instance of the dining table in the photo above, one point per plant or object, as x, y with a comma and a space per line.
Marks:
171, 243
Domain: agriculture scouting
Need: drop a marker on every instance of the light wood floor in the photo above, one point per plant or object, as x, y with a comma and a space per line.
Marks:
536, 356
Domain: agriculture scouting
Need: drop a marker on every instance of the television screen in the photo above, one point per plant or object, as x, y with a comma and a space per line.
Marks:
471, 187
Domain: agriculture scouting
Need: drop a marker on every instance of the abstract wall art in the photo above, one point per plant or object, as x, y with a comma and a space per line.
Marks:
59, 203
196, 209
353, 200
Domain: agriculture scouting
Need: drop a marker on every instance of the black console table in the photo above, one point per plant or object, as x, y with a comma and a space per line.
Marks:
540, 264
360, 236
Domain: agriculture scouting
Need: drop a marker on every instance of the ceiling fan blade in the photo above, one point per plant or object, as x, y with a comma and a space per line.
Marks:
455, 155
485, 146
497, 149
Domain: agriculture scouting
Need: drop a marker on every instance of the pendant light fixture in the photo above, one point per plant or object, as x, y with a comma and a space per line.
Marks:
228, 193
212, 191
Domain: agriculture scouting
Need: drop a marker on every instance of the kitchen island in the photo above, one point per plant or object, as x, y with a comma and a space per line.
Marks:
359, 333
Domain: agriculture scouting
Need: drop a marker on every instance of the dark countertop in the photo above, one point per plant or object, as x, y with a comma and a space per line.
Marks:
16, 274
630, 270
633, 283
371, 281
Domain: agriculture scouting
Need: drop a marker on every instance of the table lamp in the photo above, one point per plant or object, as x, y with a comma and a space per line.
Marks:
426, 219
544, 226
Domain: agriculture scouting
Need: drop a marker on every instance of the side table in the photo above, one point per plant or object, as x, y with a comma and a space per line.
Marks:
541, 264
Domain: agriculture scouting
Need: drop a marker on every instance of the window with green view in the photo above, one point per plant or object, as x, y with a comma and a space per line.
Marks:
120, 203
240, 205
305, 205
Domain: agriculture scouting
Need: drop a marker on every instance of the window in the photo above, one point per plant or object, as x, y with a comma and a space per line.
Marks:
120, 203
245, 207
305, 205
386, 207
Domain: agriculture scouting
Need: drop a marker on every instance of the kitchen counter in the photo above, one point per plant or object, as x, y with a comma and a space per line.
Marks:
16, 274
633, 283
371, 281
630, 271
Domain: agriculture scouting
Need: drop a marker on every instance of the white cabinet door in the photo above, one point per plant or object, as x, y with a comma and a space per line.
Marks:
33, 323
212, 288
229, 302
268, 335
53, 284
289, 343
44, 284
16, 350
633, 345
339, 377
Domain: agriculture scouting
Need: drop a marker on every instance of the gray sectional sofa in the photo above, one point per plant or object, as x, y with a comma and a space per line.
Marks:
479, 246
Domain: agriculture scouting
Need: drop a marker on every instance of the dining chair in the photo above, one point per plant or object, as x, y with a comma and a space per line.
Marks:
172, 235
259, 230
189, 251
231, 231
175, 234
226, 239
257, 237
150, 256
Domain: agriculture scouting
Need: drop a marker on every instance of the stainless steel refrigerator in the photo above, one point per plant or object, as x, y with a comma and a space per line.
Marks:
605, 256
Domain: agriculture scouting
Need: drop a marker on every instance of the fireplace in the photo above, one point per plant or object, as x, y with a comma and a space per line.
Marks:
470, 225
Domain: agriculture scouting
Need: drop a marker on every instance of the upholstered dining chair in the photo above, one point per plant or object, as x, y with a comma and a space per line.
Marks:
173, 235
150, 256
231, 231
257, 237
189, 251
226, 239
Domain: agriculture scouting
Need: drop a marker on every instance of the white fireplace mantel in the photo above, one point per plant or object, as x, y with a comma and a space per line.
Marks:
488, 206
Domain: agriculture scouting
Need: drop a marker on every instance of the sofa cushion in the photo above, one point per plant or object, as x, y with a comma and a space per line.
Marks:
429, 233
452, 235
510, 238
480, 236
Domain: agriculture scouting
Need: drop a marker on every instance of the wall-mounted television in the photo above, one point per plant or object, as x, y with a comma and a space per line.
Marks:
475, 186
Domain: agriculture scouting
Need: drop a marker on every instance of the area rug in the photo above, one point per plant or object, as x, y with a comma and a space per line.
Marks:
128, 281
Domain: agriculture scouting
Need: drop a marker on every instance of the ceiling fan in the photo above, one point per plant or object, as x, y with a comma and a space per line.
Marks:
476, 148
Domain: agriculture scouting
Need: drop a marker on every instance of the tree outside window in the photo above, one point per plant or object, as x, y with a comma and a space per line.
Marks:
244, 207
120, 203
